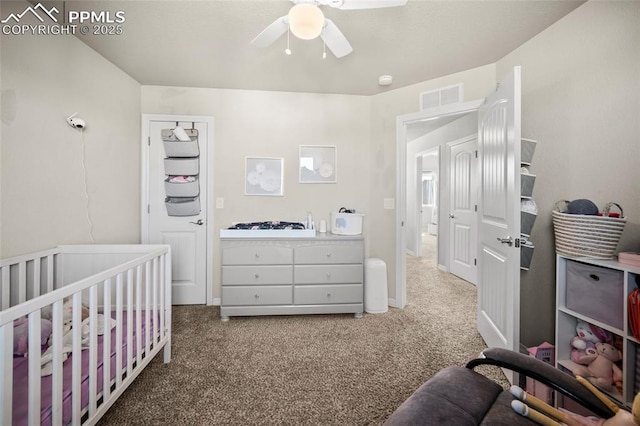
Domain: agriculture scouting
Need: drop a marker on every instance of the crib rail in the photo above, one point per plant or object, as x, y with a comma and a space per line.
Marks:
34, 287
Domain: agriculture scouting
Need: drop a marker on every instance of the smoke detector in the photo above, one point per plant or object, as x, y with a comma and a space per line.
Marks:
385, 80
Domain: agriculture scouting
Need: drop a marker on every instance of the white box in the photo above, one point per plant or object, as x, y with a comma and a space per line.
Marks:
346, 223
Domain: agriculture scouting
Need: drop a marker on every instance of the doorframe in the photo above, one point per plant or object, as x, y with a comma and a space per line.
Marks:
144, 185
402, 122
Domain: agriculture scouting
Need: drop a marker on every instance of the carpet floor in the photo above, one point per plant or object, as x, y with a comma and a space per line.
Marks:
307, 369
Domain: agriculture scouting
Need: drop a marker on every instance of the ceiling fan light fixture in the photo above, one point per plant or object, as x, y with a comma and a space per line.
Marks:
306, 21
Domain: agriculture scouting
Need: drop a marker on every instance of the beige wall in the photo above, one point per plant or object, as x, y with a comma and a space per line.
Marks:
581, 101
275, 124
44, 80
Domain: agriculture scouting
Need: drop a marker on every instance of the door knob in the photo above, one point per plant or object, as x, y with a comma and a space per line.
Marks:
199, 222
508, 241
451, 216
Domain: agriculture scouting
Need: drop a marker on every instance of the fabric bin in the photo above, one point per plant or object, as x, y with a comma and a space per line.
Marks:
181, 189
526, 184
182, 206
176, 148
526, 222
596, 292
527, 148
346, 223
526, 253
181, 166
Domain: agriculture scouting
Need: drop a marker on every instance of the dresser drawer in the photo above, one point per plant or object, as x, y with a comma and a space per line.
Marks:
329, 253
257, 295
257, 255
323, 294
257, 275
327, 274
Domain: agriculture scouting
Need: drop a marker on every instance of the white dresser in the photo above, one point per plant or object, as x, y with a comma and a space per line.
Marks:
285, 276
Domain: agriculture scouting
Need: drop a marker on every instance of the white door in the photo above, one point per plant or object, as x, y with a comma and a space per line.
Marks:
463, 229
183, 224
498, 213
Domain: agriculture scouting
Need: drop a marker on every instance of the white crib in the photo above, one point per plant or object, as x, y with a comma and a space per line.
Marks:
129, 283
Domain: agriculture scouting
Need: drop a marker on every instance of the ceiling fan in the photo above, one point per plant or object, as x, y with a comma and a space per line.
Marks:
306, 21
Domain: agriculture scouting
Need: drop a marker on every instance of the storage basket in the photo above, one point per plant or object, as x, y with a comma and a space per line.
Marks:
590, 236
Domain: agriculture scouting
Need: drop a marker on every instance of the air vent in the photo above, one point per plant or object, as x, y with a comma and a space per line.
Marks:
443, 96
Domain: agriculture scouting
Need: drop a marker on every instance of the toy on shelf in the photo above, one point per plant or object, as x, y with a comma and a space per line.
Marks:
584, 344
603, 371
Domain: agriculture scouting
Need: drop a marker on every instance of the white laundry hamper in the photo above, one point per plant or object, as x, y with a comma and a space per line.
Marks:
375, 286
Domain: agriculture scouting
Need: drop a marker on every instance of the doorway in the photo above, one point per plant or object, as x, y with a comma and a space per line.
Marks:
497, 121
177, 189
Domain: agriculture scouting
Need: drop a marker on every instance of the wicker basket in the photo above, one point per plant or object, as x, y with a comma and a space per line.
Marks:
579, 235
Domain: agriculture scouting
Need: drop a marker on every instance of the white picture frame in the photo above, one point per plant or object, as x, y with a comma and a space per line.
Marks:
318, 164
263, 176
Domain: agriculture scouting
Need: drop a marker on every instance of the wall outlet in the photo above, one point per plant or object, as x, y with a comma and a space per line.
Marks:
219, 203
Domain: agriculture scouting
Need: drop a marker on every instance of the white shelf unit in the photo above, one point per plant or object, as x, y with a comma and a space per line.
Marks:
566, 320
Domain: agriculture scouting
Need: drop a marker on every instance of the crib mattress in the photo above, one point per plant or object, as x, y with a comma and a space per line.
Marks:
21, 376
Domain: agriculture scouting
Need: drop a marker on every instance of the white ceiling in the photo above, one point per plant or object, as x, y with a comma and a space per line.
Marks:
206, 43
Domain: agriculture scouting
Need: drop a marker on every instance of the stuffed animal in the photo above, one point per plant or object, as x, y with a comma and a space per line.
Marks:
584, 348
602, 371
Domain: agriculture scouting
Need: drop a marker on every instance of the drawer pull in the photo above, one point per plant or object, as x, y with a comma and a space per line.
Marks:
329, 254
328, 295
257, 255
257, 276
257, 296
328, 275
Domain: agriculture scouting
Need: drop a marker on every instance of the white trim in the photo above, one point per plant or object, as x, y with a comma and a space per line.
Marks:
401, 183
144, 189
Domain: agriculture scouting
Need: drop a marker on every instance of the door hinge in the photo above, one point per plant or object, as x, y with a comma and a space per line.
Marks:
475, 208
476, 153
148, 208
517, 242
475, 262
149, 140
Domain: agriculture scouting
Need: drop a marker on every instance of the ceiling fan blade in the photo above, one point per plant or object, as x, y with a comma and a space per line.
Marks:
271, 33
335, 40
362, 4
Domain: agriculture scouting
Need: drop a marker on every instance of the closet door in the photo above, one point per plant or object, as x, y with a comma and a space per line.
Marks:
176, 211
499, 215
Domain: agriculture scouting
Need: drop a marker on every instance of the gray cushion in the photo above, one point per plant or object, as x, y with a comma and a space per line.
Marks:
458, 396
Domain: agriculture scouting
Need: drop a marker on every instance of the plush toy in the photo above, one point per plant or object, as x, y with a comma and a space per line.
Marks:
602, 371
584, 348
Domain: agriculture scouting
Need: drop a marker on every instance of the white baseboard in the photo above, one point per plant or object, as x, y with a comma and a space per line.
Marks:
216, 301
392, 303
443, 268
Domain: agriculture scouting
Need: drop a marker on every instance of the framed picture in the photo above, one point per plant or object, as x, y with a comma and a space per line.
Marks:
263, 176
318, 164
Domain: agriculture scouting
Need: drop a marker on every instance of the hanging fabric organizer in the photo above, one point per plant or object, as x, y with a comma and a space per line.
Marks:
528, 208
182, 169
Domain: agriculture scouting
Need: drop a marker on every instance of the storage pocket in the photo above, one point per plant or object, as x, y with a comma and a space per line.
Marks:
181, 166
526, 184
596, 292
181, 189
527, 148
182, 206
526, 222
176, 148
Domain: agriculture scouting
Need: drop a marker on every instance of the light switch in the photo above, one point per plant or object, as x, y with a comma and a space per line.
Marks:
219, 203
389, 203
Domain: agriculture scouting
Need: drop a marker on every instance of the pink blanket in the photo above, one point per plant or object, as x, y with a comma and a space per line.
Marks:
21, 377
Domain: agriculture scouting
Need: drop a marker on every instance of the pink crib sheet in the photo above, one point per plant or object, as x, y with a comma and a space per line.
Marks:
21, 377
